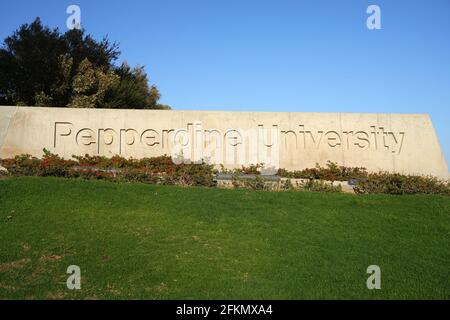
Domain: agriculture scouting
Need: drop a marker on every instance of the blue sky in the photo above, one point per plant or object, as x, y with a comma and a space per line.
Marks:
284, 55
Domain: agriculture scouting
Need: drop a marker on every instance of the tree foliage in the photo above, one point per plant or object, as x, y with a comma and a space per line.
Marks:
40, 66
131, 89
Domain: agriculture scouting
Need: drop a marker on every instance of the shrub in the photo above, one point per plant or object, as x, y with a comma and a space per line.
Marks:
256, 183
398, 184
251, 169
320, 186
23, 165
157, 170
162, 170
195, 175
331, 172
91, 174
53, 165
260, 183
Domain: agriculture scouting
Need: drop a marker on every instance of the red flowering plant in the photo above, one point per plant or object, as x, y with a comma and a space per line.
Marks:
53, 165
23, 165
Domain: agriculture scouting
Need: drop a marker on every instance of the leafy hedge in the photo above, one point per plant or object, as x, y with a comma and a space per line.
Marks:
162, 170
251, 169
159, 170
331, 172
398, 184
262, 183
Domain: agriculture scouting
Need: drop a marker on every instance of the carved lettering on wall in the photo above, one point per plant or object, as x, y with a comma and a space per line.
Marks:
118, 140
62, 129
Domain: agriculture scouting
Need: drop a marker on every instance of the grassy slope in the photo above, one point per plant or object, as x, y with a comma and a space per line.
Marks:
159, 242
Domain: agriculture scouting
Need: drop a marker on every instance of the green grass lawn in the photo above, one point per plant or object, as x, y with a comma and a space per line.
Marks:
163, 242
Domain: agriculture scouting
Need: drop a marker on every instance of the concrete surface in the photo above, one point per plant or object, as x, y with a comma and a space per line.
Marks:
292, 140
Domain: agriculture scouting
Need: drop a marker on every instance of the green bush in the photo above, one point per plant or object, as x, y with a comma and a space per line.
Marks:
23, 165
162, 170
157, 170
331, 172
256, 183
398, 184
53, 165
49, 165
260, 183
251, 169
320, 186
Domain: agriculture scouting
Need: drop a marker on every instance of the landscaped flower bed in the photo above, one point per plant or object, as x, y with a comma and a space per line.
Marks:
162, 170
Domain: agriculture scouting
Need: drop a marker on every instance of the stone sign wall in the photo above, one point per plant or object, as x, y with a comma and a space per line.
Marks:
391, 142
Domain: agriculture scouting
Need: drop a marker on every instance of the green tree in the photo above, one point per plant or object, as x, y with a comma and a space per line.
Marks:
29, 63
40, 66
91, 84
132, 91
